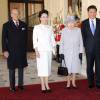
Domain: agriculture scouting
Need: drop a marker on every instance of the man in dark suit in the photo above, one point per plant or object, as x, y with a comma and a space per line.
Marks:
14, 46
91, 39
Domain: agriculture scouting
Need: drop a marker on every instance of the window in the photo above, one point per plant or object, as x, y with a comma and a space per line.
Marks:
33, 10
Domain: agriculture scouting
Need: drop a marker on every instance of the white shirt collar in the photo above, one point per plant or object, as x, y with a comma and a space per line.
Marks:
92, 19
15, 22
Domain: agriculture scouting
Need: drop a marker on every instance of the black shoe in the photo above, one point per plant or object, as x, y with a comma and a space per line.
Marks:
21, 87
98, 86
68, 87
13, 89
43, 91
74, 87
48, 90
91, 86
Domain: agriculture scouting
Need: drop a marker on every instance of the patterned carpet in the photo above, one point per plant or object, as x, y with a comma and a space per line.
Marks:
30, 74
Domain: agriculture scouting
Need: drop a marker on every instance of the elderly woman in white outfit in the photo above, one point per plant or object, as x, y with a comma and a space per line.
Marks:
44, 44
72, 48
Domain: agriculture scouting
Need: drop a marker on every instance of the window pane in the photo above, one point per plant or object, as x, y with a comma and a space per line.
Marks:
33, 10
21, 7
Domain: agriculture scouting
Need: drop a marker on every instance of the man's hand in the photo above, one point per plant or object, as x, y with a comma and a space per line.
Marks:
6, 54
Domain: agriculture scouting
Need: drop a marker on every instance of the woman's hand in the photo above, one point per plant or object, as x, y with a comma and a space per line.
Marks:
37, 53
6, 54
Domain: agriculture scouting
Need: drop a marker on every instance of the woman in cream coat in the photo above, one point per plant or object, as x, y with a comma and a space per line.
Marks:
72, 48
44, 44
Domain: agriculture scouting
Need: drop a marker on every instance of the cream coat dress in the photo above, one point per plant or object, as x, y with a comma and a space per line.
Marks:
71, 45
43, 40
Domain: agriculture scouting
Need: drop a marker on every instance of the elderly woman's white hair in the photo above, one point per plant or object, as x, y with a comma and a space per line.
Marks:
69, 19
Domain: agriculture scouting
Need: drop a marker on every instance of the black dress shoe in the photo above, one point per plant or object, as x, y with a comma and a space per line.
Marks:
48, 90
98, 86
91, 86
13, 89
21, 87
74, 87
68, 87
43, 91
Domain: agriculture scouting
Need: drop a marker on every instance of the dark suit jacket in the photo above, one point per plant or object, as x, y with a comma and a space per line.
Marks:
91, 42
14, 40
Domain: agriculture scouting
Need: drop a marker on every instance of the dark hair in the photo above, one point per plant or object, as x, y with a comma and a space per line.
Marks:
42, 12
92, 7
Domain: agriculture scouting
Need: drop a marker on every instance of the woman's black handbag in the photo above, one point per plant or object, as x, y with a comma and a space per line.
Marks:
61, 69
